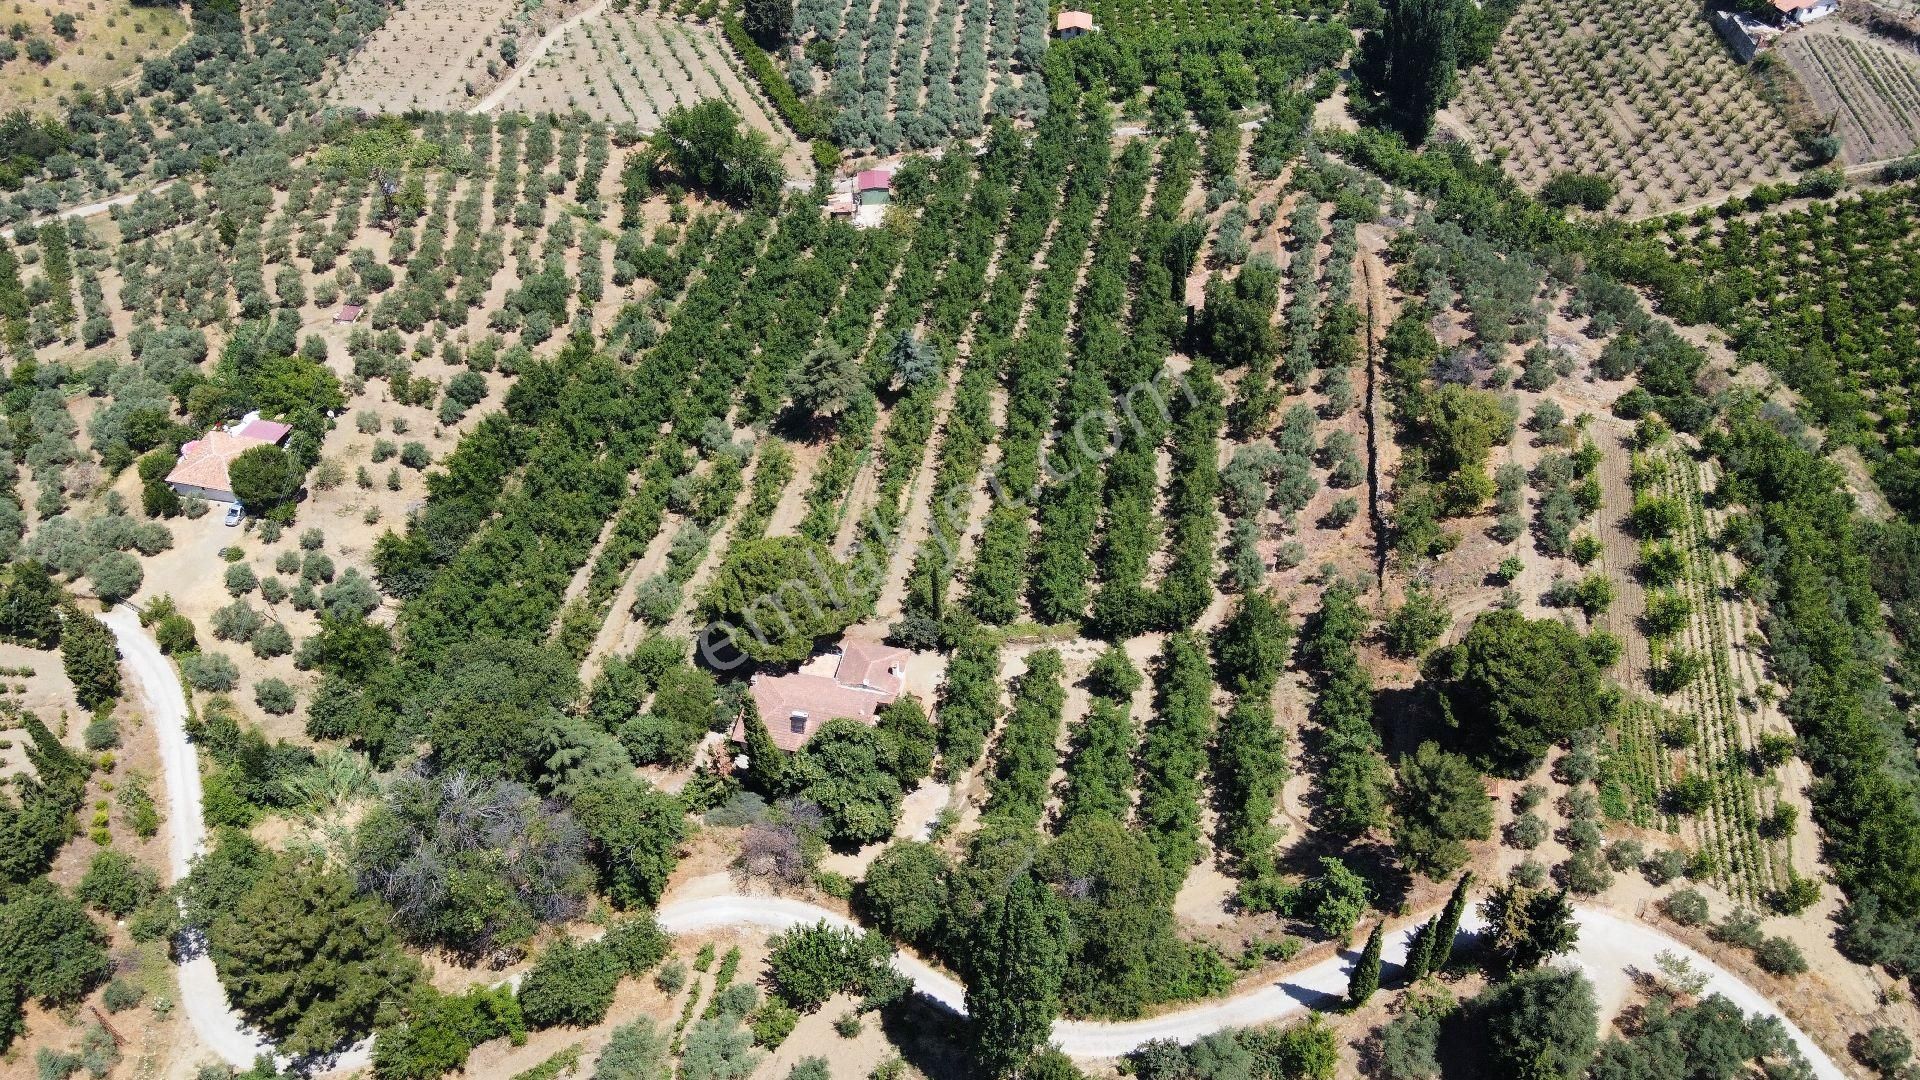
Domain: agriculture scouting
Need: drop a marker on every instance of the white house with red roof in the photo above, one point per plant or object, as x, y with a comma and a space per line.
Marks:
201, 471
1072, 24
865, 676
1802, 12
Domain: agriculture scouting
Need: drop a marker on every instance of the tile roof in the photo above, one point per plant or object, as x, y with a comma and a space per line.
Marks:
203, 462
795, 706
872, 665
873, 180
348, 313
1074, 20
267, 431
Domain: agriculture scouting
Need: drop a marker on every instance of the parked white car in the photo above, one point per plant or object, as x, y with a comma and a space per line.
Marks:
234, 514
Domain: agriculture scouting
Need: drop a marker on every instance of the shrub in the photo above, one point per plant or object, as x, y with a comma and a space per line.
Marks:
671, 978
122, 995
1742, 927
1687, 907
116, 884
1778, 956
115, 575
1527, 831
772, 1022
1883, 1049
275, 696
1584, 190
103, 732
1663, 866
1625, 854
571, 984
209, 672
241, 580
236, 622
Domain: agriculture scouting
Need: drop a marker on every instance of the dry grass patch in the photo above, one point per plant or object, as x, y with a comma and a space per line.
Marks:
108, 41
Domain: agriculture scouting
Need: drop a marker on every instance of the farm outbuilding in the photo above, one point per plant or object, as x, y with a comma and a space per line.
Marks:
873, 187
1072, 24
1744, 34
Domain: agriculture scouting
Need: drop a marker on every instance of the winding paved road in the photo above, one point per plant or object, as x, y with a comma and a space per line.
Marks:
1610, 947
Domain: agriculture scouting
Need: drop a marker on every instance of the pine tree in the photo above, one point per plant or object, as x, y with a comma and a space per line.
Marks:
1420, 951
1366, 974
1014, 974
1449, 924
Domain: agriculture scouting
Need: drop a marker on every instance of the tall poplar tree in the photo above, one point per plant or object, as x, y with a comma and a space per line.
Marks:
1410, 61
1018, 961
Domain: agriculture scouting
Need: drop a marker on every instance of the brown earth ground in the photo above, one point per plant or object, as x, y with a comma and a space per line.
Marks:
111, 39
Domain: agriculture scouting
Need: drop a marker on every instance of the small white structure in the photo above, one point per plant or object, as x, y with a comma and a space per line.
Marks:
1072, 24
862, 198
1802, 12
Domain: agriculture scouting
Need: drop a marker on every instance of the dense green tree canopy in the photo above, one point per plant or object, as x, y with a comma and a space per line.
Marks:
1541, 1024
845, 770
1410, 61
306, 957
1515, 686
709, 147
1439, 803
905, 891
777, 597
263, 478
50, 949
1526, 927
472, 865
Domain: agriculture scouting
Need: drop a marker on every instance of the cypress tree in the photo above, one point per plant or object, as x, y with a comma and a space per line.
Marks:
1449, 924
1014, 974
91, 658
1420, 951
766, 763
1366, 974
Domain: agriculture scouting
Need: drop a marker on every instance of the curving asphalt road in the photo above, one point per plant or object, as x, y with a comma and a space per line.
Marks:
1610, 947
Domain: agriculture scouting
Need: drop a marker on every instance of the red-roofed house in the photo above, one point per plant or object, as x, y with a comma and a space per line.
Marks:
1072, 24
201, 471
873, 187
795, 706
348, 313
1802, 12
